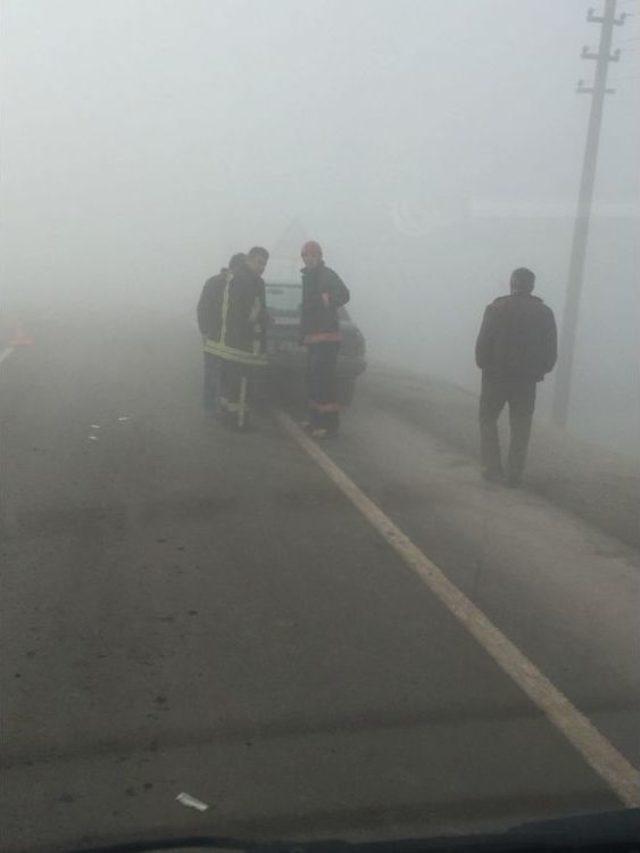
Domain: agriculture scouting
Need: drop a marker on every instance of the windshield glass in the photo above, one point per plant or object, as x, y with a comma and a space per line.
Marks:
284, 299
319, 419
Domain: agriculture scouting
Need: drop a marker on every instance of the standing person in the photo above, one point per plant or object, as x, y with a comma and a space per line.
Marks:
239, 335
516, 347
323, 292
209, 306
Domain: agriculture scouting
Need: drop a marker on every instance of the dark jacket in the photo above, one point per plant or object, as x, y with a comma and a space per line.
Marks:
238, 318
517, 339
323, 292
209, 303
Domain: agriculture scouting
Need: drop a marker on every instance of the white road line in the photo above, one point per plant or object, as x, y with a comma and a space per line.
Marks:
598, 752
5, 353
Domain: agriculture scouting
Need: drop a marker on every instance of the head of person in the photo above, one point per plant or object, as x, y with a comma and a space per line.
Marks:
257, 259
311, 254
236, 262
522, 281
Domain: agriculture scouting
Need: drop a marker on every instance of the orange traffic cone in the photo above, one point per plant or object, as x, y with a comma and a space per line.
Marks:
20, 338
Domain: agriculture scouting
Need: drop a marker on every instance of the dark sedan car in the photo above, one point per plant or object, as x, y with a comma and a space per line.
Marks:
287, 358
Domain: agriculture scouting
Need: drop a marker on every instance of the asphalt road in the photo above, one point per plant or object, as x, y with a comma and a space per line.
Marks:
190, 610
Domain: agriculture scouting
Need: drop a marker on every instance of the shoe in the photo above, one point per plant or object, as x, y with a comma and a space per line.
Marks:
323, 433
492, 476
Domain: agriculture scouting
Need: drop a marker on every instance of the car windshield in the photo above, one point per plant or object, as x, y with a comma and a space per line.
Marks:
363, 565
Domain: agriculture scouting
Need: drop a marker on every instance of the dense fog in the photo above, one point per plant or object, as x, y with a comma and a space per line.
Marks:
430, 147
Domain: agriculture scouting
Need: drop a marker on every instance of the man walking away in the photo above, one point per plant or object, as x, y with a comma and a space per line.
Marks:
238, 336
516, 347
323, 292
209, 306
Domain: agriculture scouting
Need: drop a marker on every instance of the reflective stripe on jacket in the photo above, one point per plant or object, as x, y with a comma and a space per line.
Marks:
321, 337
238, 330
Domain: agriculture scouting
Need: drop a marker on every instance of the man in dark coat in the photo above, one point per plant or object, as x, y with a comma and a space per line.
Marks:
323, 292
237, 336
208, 312
516, 348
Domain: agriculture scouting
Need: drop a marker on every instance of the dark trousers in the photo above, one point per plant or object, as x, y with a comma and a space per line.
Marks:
234, 392
210, 382
322, 361
520, 394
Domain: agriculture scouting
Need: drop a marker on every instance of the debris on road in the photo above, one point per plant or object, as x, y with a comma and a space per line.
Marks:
93, 438
123, 418
191, 802
95, 426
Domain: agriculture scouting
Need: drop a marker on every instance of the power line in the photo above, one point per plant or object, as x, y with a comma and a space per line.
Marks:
602, 58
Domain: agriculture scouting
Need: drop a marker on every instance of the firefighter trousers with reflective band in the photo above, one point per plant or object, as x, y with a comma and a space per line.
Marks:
520, 394
324, 412
236, 381
210, 381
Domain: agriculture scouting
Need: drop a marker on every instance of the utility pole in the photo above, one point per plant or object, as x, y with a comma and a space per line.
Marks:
562, 388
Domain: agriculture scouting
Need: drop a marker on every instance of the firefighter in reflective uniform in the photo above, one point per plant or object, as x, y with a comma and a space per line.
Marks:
323, 292
209, 308
239, 336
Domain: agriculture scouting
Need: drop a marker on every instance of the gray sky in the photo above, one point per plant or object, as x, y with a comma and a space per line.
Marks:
430, 146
